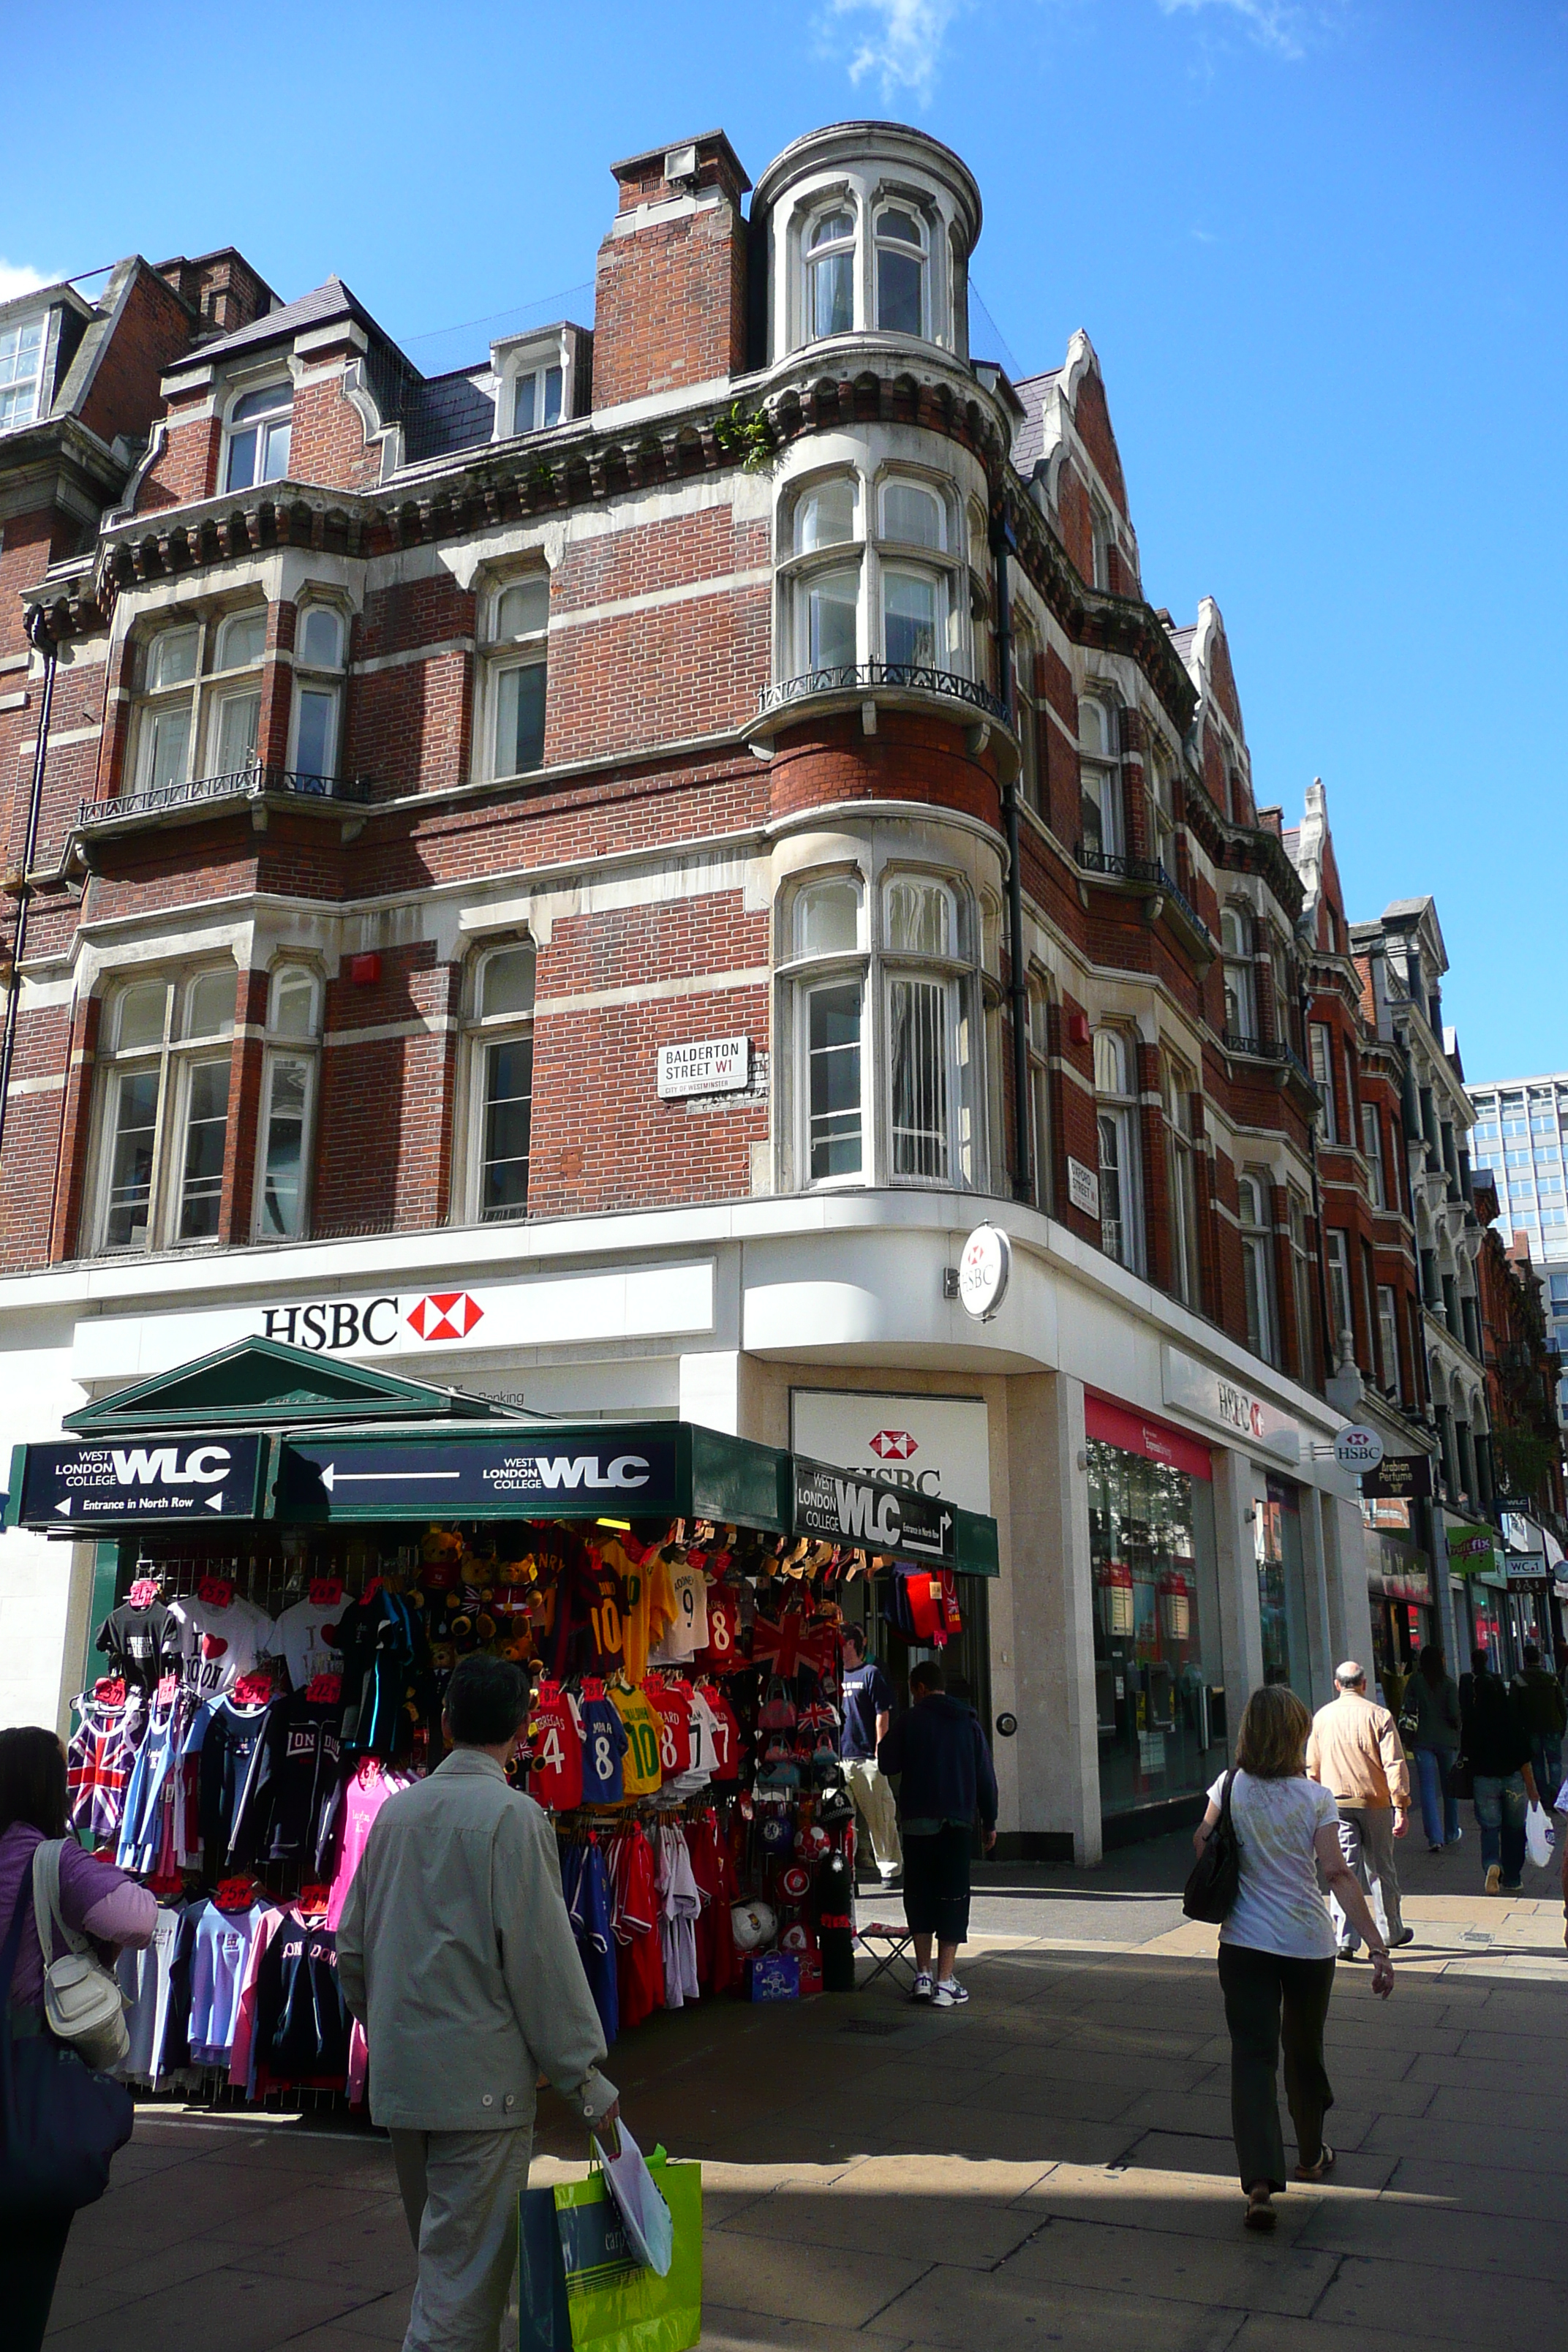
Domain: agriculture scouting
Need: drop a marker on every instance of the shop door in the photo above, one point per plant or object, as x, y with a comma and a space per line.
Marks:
1282, 1587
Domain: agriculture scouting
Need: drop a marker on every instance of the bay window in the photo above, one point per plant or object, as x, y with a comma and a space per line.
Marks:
287, 1104
1258, 1266
502, 1081
1176, 1089
829, 308
1372, 1145
1162, 809
1240, 979
164, 719
1100, 797
1031, 733
234, 694
829, 1019
317, 692
1320, 1044
920, 607
1342, 1315
1388, 1338
1116, 1113
1039, 1090
163, 1110
516, 663
900, 242
1301, 1284
259, 431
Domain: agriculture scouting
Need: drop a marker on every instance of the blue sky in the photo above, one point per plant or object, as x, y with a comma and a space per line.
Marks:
1319, 245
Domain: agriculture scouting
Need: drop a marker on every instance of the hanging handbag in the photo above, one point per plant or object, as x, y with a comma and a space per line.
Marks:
60, 2124
1213, 1880
82, 2002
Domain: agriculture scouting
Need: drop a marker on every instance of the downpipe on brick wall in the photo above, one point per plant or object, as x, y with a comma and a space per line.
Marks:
44, 645
1001, 540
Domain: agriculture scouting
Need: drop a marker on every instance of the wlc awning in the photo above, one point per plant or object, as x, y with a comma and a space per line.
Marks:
262, 1431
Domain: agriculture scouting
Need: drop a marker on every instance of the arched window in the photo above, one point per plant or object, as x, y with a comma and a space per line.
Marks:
1100, 782
1176, 1084
900, 271
164, 708
1039, 1088
830, 274
1025, 676
921, 621
516, 670
260, 427
822, 589
1258, 1266
1161, 791
927, 1031
288, 1103
1240, 979
1302, 1286
829, 1001
501, 1054
164, 1120
318, 691
235, 721
1116, 1097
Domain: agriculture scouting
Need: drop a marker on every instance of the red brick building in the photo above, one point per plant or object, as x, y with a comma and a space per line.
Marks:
655, 835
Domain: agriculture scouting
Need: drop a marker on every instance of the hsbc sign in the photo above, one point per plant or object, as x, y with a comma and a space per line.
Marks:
331, 1326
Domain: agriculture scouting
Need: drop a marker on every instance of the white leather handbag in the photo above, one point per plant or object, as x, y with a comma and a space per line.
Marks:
83, 2005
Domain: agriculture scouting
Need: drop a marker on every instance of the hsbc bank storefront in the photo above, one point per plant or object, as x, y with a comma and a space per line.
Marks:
1126, 1450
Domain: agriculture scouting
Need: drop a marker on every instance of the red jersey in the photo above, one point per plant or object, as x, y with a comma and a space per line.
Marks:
673, 1709
722, 1655
555, 1744
726, 1734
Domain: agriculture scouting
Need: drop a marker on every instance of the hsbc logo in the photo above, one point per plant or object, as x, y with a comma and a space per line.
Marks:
895, 1444
445, 1315
328, 1326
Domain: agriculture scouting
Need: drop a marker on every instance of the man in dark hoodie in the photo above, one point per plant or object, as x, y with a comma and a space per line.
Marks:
945, 1777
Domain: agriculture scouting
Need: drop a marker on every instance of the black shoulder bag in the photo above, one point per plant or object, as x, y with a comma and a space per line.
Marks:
60, 2124
1214, 1876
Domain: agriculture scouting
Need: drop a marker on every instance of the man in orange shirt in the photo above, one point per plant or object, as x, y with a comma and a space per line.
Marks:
1356, 1751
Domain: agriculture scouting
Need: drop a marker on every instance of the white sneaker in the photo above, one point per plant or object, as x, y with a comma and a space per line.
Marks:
922, 1988
949, 1994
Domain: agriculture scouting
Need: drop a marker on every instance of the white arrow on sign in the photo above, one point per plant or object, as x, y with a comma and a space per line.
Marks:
908, 1542
333, 1476
214, 1502
65, 1505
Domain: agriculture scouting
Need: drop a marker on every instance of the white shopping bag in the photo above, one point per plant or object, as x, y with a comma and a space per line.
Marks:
1559, 1804
1538, 1836
639, 2204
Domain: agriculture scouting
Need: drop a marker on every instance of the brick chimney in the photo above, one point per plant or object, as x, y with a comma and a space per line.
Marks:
671, 297
221, 287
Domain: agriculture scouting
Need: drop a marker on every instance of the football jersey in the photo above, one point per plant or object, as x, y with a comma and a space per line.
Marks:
647, 1604
722, 1655
725, 1735
704, 1736
687, 1631
673, 1709
641, 1771
555, 1744
605, 1647
603, 1746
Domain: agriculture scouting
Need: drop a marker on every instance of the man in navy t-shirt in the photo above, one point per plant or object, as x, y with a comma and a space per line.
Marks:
868, 1703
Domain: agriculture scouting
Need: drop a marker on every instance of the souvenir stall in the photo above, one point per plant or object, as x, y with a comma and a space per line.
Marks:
291, 1559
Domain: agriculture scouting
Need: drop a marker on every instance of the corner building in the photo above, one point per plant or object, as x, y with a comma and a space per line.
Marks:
588, 876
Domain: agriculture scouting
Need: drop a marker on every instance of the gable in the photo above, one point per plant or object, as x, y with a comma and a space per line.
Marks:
262, 1383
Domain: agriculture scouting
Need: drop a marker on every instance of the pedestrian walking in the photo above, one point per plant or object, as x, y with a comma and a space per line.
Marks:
1496, 1746
937, 1751
1430, 1722
456, 1951
1277, 1945
1545, 1713
1356, 1752
867, 1710
96, 1901
1391, 1690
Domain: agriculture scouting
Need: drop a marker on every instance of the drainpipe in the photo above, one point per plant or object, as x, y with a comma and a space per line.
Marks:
1002, 539
43, 644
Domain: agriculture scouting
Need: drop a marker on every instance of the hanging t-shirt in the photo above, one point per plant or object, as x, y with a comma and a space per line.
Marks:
647, 1604
364, 1795
219, 1645
606, 1648
140, 1643
292, 1783
586, 1888
1278, 1908
687, 1630
603, 1746
144, 1976
220, 1961
725, 1734
639, 1970
705, 1736
641, 1771
301, 2026
680, 1906
308, 1636
673, 1709
724, 1653
555, 1746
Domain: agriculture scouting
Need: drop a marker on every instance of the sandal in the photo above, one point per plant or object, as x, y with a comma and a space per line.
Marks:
1260, 2213
1315, 2171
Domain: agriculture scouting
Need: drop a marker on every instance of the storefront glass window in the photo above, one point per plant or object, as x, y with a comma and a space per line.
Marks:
1158, 1681
1281, 1589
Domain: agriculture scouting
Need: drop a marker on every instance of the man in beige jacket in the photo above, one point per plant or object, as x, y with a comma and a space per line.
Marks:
456, 1951
1356, 1751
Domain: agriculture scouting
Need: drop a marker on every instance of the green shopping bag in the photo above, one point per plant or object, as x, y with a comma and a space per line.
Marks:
586, 2292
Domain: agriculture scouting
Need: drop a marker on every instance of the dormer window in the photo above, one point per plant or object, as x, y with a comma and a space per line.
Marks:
830, 274
900, 272
536, 399
21, 371
258, 431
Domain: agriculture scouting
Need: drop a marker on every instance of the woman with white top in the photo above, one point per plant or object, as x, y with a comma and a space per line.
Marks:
1277, 1945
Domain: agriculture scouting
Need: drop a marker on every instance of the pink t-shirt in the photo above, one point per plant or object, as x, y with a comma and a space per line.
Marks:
363, 1798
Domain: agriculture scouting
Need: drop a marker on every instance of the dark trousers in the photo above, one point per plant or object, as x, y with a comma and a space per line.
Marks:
30, 2254
1265, 1995
936, 1883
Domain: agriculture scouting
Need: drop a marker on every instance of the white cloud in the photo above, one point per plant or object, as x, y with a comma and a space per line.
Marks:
16, 278
898, 43
1281, 26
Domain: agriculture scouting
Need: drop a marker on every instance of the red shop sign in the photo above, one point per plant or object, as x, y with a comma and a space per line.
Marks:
1139, 1432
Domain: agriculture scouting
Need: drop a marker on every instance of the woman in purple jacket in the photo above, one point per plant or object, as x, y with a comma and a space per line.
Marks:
96, 1900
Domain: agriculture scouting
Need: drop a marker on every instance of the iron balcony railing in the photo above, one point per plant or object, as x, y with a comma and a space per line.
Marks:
1143, 869
854, 677
1267, 1049
243, 783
